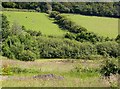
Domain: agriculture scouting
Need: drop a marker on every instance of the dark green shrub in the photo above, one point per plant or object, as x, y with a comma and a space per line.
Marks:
12, 47
5, 28
27, 55
53, 14
64, 48
58, 17
66, 24
118, 39
70, 36
109, 68
34, 33
7, 52
38, 9
108, 48
87, 49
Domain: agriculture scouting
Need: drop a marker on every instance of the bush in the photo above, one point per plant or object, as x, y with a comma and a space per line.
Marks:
7, 52
108, 48
109, 68
118, 39
5, 28
78, 33
53, 14
64, 48
34, 33
66, 24
70, 36
27, 56
87, 49
12, 47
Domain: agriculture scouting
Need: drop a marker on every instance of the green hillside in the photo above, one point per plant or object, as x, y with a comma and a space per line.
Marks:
35, 21
39, 21
101, 25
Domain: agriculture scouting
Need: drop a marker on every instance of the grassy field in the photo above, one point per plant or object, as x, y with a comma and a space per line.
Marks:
40, 22
65, 68
101, 25
35, 21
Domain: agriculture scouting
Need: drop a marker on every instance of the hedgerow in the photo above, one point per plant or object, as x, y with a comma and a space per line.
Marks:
77, 32
28, 46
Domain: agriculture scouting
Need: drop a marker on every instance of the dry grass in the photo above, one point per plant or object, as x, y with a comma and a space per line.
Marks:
58, 67
53, 65
73, 82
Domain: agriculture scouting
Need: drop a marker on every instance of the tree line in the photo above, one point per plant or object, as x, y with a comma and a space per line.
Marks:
109, 9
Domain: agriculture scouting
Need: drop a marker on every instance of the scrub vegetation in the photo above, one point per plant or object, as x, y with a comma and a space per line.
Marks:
48, 45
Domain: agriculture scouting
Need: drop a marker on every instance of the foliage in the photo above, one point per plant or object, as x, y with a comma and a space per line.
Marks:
28, 45
28, 48
77, 32
110, 9
118, 39
18, 44
58, 48
12, 47
109, 68
66, 24
70, 36
19, 48
60, 7
108, 49
5, 27
53, 14
88, 36
34, 33
27, 55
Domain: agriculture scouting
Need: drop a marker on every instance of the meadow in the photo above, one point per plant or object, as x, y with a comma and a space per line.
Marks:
58, 72
104, 26
34, 21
